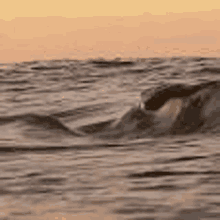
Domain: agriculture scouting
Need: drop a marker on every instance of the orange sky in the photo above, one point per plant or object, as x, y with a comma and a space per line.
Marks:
47, 29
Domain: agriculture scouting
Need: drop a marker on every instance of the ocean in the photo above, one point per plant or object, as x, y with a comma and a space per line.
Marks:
51, 170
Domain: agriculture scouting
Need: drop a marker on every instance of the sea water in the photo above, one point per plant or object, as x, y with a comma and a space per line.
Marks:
49, 173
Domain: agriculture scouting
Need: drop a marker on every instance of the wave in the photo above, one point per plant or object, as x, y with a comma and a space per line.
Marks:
49, 67
213, 70
113, 63
42, 121
167, 110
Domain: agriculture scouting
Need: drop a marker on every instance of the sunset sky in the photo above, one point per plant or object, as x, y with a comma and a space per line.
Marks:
46, 29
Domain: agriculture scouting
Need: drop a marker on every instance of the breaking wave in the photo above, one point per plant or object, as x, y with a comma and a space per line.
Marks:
167, 110
171, 110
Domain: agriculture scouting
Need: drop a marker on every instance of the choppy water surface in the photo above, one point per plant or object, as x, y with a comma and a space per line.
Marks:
49, 172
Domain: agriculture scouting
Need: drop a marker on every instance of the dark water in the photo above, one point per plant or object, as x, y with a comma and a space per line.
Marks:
53, 167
